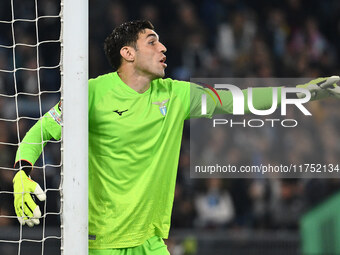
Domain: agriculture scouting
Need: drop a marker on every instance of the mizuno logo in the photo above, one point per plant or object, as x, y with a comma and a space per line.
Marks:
120, 112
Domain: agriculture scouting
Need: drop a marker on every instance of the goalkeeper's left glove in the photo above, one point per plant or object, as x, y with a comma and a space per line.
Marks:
27, 210
321, 88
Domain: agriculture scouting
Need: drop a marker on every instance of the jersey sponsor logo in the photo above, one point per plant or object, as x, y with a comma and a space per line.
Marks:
162, 106
55, 115
120, 112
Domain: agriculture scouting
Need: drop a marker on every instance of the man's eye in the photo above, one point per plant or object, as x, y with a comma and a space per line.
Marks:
152, 42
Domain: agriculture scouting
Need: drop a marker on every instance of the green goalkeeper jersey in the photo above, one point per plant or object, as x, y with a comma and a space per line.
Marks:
134, 145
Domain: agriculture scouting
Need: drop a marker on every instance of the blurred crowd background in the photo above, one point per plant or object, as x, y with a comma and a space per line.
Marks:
204, 38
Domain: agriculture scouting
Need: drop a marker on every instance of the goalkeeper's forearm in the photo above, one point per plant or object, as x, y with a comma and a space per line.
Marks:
35, 139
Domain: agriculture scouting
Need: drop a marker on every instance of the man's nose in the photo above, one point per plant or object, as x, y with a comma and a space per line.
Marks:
163, 48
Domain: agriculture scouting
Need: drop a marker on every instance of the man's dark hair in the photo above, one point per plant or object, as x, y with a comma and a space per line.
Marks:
124, 35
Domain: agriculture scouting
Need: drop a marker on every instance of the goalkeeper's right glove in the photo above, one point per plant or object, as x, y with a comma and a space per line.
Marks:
321, 88
26, 209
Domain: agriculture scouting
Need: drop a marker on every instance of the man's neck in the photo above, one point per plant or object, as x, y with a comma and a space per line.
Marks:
134, 80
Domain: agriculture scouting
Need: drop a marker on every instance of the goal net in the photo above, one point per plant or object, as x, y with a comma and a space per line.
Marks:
43, 60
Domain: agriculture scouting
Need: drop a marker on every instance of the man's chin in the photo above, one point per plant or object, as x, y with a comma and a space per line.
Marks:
159, 75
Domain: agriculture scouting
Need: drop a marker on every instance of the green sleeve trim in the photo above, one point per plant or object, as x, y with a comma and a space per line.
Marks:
24, 162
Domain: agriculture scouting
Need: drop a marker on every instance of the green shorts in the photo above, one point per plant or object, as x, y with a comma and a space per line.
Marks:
153, 246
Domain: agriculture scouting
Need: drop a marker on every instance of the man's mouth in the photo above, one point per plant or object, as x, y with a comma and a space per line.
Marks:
163, 62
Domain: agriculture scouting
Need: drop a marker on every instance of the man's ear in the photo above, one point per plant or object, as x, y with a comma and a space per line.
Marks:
128, 53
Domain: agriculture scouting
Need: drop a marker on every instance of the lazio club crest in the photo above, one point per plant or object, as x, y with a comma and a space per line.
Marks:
162, 106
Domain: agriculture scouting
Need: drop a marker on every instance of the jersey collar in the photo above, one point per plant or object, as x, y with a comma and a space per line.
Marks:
127, 89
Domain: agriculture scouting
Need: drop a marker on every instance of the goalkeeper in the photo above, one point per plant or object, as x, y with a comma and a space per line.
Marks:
135, 129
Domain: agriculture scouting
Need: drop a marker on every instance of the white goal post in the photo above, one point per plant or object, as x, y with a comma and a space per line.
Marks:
44, 58
74, 76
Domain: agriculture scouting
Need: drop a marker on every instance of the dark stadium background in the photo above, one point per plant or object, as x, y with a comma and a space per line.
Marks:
205, 38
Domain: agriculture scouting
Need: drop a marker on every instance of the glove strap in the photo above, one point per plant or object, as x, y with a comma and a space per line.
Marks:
24, 165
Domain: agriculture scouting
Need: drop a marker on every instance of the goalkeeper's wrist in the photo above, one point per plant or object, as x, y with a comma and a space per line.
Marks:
24, 165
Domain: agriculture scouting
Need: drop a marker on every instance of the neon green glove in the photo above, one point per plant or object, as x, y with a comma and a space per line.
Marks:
27, 210
321, 88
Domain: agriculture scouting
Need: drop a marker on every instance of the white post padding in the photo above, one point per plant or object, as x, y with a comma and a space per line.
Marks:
74, 73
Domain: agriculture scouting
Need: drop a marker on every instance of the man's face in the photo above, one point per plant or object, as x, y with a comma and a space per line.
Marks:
149, 56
